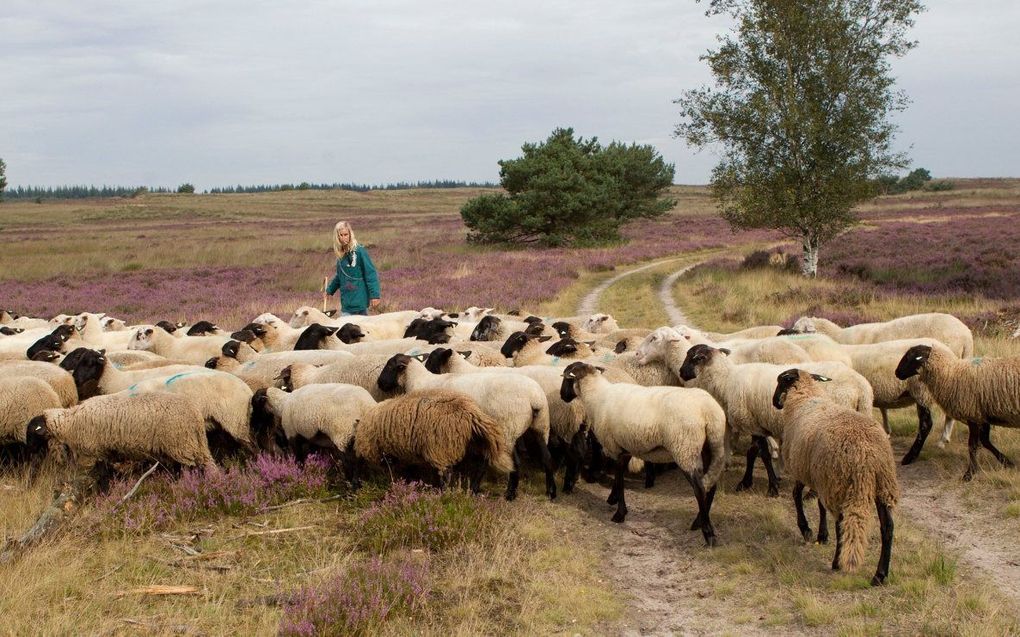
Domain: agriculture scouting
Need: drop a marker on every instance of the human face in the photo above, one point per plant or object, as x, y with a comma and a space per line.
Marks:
344, 236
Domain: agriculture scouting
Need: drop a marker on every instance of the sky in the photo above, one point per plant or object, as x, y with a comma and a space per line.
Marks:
225, 92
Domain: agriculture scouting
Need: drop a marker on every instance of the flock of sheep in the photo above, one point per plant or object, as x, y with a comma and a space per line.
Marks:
456, 395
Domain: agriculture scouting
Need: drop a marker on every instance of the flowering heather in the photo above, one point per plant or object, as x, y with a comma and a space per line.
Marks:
413, 515
163, 501
945, 252
357, 601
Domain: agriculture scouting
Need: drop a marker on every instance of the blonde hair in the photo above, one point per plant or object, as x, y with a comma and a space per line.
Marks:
338, 247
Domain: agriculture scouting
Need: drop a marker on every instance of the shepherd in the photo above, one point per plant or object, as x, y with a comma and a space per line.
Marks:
355, 277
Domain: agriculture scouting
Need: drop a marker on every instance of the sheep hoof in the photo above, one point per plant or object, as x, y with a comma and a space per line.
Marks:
773, 491
967, 477
619, 517
835, 565
1006, 462
822, 539
806, 534
941, 444
878, 580
907, 459
710, 541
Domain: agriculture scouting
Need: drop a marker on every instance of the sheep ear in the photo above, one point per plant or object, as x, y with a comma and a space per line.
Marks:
589, 343
543, 339
466, 354
725, 351
820, 378
602, 370
328, 313
420, 357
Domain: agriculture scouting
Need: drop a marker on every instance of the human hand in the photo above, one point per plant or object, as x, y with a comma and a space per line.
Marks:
374, 303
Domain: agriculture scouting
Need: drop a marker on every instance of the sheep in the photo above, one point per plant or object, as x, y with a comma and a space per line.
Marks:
317, 415
764, 350
93, 373
980, 392
324, 337
121, 425
193, 349
57, 378
945, 327
362, 371
820, 347
22, 398
877, 362
846, 459
445, 430
750, 333
526, 349
517, 403
493, 328
24, 346
656, 424
262, 372
566, 420
90, 329
745, 392
385, 326
128, 357
600, 324
224, 400
434, 331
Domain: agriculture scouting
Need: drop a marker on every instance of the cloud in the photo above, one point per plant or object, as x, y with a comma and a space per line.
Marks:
261, 92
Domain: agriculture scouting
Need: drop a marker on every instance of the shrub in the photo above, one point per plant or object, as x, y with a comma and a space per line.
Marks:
186, 189
570, 191
162, 501
415, 516
357, 601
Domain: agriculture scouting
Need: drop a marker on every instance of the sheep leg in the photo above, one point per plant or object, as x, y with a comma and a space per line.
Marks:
621, 469
947, 432
650, 472
839, 542
823, 525
885, 420
923, 429
798, 502
614, 493
748, 480
350, 464
515, 476
704, 504
886, 523
595, 467
699, 521
538, 447
972, 446
986, 442
572, 460
766, 458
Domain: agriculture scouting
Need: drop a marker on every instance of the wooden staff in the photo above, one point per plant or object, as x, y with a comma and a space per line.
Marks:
324, 297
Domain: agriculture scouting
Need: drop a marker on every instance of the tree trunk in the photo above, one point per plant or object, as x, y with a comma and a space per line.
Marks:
809, 262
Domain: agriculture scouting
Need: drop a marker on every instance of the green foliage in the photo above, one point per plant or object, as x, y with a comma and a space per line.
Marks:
3, 178
801, 107
186, 189
917, 179
569, 190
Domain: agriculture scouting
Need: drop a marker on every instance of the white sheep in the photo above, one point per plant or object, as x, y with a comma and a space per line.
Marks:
22, 398
944, 327
263, 371
60, 380
517, 403
193, 349
121, 425
745, 392
656, 424
362, 371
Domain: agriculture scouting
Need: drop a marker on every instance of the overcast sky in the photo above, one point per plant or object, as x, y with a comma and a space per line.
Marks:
246, 91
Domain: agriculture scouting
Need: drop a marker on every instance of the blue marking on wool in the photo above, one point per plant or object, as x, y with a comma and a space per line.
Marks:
555, 360
607, 357
177, 377
976, 362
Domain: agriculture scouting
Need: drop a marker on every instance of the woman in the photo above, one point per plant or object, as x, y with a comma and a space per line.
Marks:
356, 277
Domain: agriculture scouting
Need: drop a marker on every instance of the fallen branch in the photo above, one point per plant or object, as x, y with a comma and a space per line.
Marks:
277, 507
65, 503
138, 484
273, 532
159, 589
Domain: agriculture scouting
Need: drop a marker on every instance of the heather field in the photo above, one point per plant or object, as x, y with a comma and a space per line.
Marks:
280, 548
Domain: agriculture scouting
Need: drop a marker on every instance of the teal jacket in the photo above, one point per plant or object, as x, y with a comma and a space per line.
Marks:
357, 283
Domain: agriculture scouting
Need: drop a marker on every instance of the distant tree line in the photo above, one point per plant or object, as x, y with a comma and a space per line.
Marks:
400, 185
85, 192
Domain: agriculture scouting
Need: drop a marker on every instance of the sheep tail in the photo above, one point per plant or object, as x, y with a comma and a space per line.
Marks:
714, 455
857, 515
488, 436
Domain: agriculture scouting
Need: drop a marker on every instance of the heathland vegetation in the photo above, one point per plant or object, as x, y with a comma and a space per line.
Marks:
276, 546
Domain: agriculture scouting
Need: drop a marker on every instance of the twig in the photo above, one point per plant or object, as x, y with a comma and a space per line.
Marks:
274, 531
185, 549
158, 589
277, 507
138, 484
